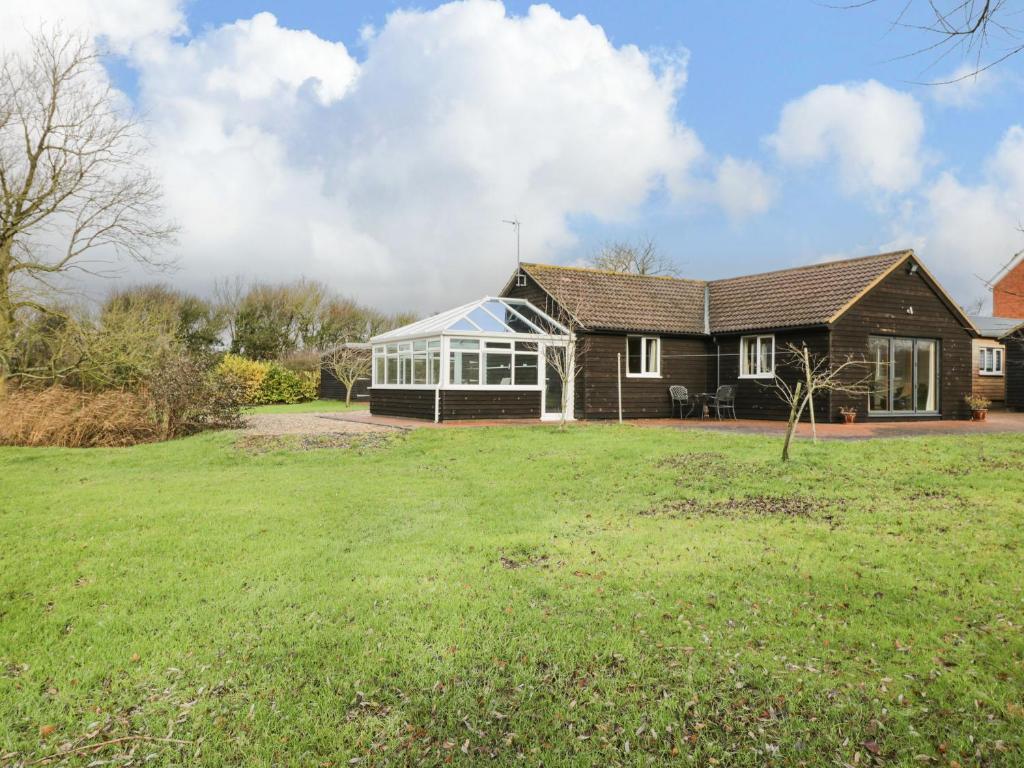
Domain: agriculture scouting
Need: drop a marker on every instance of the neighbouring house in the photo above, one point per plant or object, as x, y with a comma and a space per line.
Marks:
990, 361
490, 359
1008, 324
332, 389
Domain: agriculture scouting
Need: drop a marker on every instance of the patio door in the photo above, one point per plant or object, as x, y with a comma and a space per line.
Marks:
552, 396
904, 376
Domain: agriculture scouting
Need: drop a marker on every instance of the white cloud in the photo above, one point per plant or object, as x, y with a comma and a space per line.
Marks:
873, 132
743, 188
969, 231
965, 86
120, 24
282, 155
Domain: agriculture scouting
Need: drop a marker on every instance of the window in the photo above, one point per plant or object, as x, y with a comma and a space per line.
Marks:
991, 361
904, 375
643, 356
757, 357
415, 363
464, 362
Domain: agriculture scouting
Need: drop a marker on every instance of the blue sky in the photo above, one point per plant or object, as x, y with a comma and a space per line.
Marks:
381, 174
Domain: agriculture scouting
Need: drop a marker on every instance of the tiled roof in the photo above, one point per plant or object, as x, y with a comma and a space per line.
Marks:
801, 296
995, 327
615, 301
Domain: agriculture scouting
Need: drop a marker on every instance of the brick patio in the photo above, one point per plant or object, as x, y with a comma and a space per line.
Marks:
998, 422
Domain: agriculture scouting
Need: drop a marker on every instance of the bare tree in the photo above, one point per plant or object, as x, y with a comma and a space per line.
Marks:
566, 362
349, 365
75, 193
970, 27
814, 375
638, 258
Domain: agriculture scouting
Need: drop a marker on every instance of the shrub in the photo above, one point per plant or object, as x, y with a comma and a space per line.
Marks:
187, 396
977, 402
283, 386
59, 416
247, 374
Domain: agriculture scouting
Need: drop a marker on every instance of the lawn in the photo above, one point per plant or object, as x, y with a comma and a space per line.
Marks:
516, 596
313, 406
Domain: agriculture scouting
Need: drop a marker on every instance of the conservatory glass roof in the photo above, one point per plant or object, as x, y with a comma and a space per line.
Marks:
487, 316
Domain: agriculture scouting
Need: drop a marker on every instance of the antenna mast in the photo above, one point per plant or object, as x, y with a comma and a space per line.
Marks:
515, 226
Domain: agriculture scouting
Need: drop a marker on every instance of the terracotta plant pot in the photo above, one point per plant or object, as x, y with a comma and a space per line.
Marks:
849, 418
979, 415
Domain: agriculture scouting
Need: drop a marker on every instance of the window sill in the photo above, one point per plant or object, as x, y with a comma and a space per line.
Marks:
757, 376
990, 373
643, 375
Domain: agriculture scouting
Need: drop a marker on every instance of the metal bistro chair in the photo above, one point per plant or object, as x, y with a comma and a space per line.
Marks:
724, 400
680, 396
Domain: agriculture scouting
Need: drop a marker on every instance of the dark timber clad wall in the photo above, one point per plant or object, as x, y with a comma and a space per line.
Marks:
883, 312
489, 404
1014, 367
683, 361
757, 398
409, 403
332, 389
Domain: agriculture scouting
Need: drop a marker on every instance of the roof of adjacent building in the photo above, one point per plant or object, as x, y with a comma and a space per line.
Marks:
615, 301
996, 327
799, 297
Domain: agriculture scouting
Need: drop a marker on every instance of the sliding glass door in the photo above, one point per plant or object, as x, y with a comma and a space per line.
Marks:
904, 375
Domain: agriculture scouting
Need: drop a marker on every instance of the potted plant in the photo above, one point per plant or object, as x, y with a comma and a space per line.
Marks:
978, 405
849, 415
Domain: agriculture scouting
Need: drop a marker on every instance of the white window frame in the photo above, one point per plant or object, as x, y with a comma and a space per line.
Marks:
757, 339
644, 372
992, 362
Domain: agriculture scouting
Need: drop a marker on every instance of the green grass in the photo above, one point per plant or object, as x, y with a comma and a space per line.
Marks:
313, 406
517, 596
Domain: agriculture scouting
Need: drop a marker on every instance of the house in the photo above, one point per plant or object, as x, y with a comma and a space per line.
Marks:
1008, 323
912, 343
989, 349
332, 389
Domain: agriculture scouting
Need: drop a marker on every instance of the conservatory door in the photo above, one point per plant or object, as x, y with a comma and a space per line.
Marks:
551, 397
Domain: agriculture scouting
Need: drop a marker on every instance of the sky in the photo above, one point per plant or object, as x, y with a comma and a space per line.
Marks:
378, 146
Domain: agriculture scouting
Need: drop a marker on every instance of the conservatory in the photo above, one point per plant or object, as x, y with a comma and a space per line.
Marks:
490, 359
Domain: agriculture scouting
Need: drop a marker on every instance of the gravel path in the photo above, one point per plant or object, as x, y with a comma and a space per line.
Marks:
304, 424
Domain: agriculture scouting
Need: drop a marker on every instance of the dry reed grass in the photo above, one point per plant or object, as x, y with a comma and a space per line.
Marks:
59, 416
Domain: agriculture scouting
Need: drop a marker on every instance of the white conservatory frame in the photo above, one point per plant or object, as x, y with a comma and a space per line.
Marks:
499, 326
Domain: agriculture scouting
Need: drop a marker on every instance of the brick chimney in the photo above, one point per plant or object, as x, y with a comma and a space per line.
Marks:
1008, 292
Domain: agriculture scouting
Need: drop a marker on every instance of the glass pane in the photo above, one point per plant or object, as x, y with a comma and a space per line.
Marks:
530, 314
405, 368
526, 369
486, 322
498, 344
651, 355
392, 349
552, 382
465, 344
750, 356
878, 360
902, 374
499, 368
464, 368
767, 347
419, 346
378, 364
927, 368
633, 355
419, 370
463, 325
526, 346
434, 344
392, 369
434, 368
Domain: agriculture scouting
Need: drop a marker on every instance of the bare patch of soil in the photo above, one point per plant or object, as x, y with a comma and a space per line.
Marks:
747, 506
